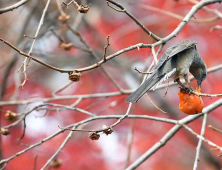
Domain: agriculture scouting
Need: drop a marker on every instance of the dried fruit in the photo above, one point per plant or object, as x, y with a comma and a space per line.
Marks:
108, 131
55, 163
10, 115
190, 103
83, 9
4, 131
94, 136
74, 76
66, 46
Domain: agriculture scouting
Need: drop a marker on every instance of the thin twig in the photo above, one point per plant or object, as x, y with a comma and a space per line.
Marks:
23, 133
60, 148
154, 104
3, 161
104, 129
12, 7
74, 2
95, 95
122, 9
166, 88
215, 129
180, 17
3, 167
213, 11
160, 48
141, 72
57, 36
60, 8
215, 27
39, 108
105, 48
118, 5
206, 95
28, 36
21, 119
133, 47
25, 62
185, 20
129, 143
197, 158
71, 108
154, 54
171, 133
35, 162
109, 76
203, 138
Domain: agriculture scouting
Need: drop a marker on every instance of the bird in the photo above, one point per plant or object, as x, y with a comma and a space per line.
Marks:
177, 61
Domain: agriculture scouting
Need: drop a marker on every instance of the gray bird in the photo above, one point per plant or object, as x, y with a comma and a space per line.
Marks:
176, 61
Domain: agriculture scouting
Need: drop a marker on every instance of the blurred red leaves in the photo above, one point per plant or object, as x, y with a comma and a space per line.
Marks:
81, 153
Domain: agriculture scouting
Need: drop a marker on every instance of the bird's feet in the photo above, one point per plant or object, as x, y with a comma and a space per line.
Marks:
183, 88
186, 90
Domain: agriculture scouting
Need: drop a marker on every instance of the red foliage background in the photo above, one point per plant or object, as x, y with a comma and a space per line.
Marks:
110, 152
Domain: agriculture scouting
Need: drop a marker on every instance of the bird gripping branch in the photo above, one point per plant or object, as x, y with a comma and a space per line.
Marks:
175, 62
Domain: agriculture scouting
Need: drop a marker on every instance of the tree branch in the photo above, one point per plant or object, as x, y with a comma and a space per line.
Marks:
122, 9
3, 161
200, 142
171, 133
12, 7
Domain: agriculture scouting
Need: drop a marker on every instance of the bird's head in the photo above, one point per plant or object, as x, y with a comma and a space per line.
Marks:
201, 74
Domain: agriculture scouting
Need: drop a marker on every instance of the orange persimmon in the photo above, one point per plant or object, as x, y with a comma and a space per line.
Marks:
190, 103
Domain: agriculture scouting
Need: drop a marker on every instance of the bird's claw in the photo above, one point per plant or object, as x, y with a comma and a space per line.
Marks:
186, 90
191, 89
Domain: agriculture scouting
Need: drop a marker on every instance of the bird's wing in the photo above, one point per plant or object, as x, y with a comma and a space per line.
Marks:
166, 77
143, 88
172, 51
156, 79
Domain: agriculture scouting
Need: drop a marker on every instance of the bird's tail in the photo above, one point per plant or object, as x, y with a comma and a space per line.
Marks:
148, 84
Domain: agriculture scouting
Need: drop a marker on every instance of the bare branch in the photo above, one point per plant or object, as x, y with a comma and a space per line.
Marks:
12, 7
216, 27
154, 54
25, 62
122, 9
154, 104
23, 133
3, 161
107, 128
141, 72
206, 95
200, 142
180, 17
33, 58
215, 129
166, 88
171, 133
95, 95
60, 148
98, 64
105, 48
129, 143
203, 138
185, 20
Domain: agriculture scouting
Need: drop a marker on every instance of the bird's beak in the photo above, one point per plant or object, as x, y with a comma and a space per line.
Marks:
199, 85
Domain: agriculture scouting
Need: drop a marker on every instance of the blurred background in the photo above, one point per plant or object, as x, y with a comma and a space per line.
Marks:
137, 136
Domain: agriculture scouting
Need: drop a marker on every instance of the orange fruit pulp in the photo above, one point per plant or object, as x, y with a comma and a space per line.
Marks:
190, 103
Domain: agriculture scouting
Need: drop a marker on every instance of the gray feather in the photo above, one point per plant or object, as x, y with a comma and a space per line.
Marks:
148, 84
172, 51
166, 77
172, 63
